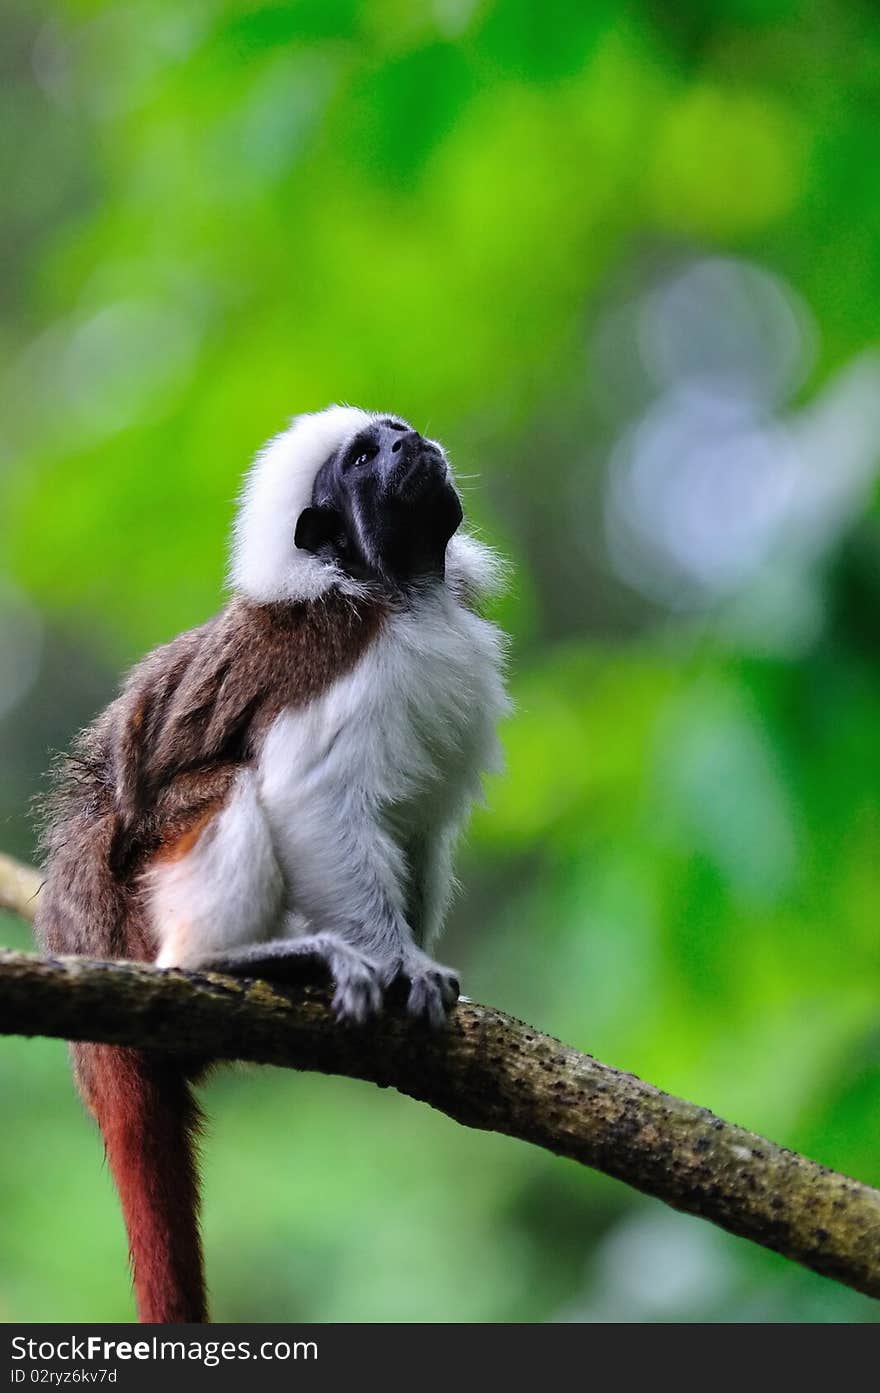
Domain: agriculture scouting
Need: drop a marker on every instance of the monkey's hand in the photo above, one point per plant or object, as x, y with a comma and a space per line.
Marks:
313, 957
432, 990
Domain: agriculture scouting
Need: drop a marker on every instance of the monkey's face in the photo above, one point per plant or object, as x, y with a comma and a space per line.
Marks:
383, 506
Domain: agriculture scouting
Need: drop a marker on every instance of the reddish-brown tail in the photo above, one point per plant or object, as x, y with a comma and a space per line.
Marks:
149, 1120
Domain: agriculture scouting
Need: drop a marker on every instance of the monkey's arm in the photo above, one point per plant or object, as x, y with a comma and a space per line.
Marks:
349, 878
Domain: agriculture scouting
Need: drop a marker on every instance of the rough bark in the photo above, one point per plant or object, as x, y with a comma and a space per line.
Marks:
487, 1071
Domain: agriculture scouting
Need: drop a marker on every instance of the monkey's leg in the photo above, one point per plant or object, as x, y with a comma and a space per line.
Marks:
216, 901
311, 957
358, 980
431, 990
216, 885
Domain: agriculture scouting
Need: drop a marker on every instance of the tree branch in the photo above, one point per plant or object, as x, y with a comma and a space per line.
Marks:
486, 1070
19, 887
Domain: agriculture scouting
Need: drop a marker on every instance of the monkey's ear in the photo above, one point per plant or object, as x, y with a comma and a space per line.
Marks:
315, 527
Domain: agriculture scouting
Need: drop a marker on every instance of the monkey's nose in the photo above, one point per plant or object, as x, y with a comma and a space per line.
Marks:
408, 437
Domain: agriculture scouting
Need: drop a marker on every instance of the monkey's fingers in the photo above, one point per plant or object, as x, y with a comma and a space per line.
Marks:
433, 993
358, 995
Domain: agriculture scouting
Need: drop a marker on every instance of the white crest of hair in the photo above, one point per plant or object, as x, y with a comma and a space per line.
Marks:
267, 565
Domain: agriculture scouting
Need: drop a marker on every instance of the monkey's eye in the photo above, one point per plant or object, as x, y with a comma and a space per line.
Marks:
363, 456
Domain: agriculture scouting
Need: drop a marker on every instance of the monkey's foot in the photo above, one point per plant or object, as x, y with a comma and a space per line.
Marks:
433, 990
356, 979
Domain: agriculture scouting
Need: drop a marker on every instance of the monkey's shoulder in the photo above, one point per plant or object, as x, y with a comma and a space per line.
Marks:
164, 754
203, 700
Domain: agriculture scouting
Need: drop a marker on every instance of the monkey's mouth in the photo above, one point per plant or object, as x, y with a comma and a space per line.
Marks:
419, 475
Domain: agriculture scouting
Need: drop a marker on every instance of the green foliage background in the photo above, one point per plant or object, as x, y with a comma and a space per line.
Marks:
218, 214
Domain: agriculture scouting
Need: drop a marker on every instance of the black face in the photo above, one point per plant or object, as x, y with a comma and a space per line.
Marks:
383, 507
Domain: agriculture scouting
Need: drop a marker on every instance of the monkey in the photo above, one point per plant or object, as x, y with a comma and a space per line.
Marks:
281, 789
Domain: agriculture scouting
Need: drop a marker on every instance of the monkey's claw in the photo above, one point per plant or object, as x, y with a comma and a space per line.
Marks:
358, 993
433, 991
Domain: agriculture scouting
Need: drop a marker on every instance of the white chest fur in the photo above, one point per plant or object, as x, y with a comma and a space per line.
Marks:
389, 759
